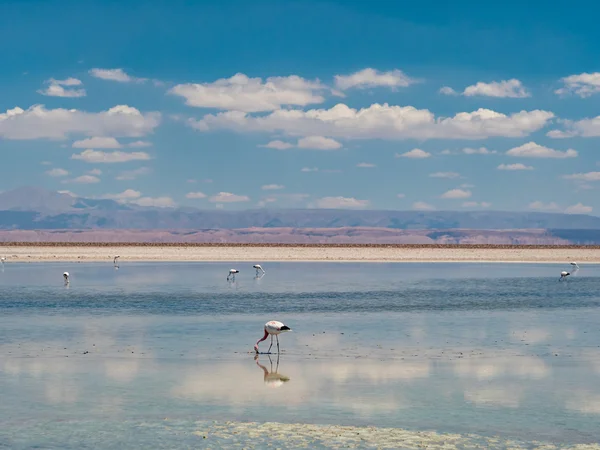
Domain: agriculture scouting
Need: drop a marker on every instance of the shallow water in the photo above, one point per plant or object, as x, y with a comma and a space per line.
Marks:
492, 349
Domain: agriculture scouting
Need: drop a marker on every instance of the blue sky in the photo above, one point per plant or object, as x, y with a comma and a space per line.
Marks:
237, 105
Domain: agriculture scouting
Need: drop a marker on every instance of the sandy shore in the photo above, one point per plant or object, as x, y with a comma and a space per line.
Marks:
32, 253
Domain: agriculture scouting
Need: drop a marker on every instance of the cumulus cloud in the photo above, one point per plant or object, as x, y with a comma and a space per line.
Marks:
63, 88
588, 176
541, 206
379, 122
584, 85
445, 175
517, 166
512, 88
133, 174
97, 142
157, 202
278, 145
228, 197
422, 206
98, 156
115, 75
37, 122
370, 78
476, 205
447, 90
125, 196
478, 151
341, 203
365, 165
195, 195
533, 150
84, 179
272, 187
583, 128
456, 193
415, 153
57, 172
241, 93
318, 143
579, 208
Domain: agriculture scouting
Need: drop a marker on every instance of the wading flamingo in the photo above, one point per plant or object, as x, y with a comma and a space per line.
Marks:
272, 328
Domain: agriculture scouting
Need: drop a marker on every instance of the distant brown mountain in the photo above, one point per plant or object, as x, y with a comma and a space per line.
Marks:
55, 214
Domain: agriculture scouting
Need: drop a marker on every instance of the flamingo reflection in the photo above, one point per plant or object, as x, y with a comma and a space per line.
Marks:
272, 379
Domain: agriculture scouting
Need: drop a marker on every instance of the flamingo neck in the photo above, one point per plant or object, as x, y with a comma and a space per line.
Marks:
263, 338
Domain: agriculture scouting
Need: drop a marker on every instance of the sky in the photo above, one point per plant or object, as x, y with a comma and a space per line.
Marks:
320, 104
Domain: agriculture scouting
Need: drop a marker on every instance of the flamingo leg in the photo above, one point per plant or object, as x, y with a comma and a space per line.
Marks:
269, 351
277, 336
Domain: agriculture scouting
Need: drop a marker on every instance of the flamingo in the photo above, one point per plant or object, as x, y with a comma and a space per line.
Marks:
2, 260
259, 269
272, 328
563, 275
115, 261
574, 264
231, 275
66, 277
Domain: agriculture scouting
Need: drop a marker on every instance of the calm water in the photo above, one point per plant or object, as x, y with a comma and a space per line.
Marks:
492, 349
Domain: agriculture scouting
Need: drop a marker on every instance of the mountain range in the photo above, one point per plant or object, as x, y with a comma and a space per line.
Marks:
54, 214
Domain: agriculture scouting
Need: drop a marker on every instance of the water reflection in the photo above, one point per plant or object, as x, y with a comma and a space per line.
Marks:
272, 378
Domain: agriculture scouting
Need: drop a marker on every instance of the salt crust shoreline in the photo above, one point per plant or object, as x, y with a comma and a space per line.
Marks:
90, 253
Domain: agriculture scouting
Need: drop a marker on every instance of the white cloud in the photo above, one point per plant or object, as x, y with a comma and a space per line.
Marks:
272, 187
422, 206
157, 202
533, 150
517, 166
240, 93
72, 194
84, 179
588, 176
478, 151
195, 195
583, 85
37, 122
309, 169
415, 153
56, 88
318, 143
98, 156
579, 208
447, 90
512, 88
456, 193
228, 197
366, 165
370, 78
583, 128
57, 172
95, 172
97, 142
476, 205
541, 206
445, 175
467, 186
126, 195
139, 144
341, 203
133, 174
379, 122
445, 152
266, 201
278, 145
400, 195
115, 75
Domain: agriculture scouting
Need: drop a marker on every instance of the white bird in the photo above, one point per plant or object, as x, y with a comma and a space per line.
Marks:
272, 328
115, 261
259, 269
66, 277
574, 264
2, 260
231, 275
564, 274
